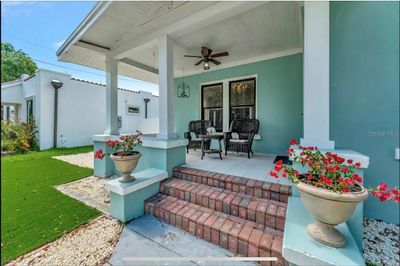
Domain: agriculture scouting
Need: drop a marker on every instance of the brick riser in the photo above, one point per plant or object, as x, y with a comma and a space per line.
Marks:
250, 187
263, 211
238, 235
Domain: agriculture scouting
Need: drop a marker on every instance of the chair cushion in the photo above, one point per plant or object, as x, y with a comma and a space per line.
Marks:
211, 130
241, 141
235, 135
193, 135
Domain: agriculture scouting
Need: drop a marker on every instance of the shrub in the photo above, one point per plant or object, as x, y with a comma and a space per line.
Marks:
18, 138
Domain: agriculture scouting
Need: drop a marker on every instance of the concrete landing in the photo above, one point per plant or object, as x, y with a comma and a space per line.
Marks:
149, 237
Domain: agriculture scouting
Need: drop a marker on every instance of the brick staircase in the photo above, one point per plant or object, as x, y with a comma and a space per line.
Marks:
243, 215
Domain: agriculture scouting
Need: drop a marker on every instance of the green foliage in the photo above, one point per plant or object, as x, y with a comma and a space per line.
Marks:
33, 212
19, 138
14, 63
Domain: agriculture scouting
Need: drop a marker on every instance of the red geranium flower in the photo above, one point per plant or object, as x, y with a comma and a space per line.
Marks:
358, 165
382, 186
384, 197
292, 142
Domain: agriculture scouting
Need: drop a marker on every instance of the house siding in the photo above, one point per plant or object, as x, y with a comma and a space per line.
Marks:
279, 99
364, 91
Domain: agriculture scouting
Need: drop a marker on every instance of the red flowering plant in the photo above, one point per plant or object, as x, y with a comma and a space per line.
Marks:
122, 147
329, 171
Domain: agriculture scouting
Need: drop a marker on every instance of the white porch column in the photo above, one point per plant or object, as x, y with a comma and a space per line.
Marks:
316, 75
111, 96
166, 87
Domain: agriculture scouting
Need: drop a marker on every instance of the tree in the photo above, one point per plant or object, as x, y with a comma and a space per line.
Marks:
14, 63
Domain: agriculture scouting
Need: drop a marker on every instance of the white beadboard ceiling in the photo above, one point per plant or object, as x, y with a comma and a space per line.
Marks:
270, 30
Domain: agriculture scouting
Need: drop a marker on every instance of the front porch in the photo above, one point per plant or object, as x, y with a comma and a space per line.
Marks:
257, 167
290, 97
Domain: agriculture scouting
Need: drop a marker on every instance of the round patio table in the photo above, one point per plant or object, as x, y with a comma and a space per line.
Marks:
204, 138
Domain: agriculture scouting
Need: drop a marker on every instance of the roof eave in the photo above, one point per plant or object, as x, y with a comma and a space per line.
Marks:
93, 15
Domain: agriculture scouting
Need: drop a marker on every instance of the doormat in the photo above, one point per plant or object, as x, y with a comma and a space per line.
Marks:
284, 158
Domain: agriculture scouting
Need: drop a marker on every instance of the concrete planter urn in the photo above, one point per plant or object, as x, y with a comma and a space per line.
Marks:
329, 209
126, 164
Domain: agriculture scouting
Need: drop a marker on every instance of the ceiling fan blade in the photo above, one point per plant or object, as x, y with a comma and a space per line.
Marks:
198, 63
196, 56
205, 51
220, 54
215, 61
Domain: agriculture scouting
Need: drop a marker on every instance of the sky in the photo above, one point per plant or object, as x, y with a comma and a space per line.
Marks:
40, 28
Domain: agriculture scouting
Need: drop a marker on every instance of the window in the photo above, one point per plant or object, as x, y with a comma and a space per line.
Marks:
242, 99
211, 104
133, 110
29, 109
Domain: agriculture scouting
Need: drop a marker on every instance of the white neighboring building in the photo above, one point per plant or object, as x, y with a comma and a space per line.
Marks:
81, 111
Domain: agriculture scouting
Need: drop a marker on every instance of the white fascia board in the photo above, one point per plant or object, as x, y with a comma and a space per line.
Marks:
91, 18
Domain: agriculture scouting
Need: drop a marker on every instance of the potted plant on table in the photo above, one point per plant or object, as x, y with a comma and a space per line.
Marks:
124, 157
330, 190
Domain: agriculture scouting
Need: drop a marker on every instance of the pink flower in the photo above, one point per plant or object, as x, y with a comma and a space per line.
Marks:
397, 199
384, 197
382, 186
278, 167
350, 181
395, 192
110, 143
345, 170
273, 174
99, 154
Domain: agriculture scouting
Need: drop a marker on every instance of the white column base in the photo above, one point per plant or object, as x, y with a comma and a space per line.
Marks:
321, 144
113, 133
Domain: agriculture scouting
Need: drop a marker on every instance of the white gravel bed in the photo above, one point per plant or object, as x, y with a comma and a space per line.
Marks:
90, 190
381, 242
91, 186
90, 244
80, 159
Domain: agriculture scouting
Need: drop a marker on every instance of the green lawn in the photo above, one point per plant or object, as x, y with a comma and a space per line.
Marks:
33, 212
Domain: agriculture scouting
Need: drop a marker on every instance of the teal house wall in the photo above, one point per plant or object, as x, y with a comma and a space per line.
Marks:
279, 99
364, 91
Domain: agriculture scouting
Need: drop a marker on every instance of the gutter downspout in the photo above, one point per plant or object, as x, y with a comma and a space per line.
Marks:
56, 85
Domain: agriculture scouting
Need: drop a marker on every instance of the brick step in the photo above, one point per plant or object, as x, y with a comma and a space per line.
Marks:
251, 187
238, 235
263, 211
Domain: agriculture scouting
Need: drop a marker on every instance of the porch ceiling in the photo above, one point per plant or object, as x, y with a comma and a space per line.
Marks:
250, 32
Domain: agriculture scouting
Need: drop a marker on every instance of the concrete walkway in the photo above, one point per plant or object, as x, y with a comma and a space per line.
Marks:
149, 237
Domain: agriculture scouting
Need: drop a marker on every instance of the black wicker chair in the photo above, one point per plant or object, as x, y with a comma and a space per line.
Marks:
245, 130
195, 129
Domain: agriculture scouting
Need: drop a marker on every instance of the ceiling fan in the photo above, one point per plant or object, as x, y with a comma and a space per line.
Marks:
207, 57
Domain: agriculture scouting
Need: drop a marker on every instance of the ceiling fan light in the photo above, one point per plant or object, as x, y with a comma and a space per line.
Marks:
206, 65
